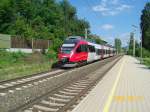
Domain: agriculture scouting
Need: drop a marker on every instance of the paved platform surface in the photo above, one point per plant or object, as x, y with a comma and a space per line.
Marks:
125, 88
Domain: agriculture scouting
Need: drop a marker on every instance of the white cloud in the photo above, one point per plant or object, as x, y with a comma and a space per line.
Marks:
107, 26
111, 8
109, 13
100, 8
123, 7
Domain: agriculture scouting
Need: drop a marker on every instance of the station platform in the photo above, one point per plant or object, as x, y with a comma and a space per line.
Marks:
125, 88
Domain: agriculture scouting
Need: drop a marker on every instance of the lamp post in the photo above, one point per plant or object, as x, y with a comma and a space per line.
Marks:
86, 30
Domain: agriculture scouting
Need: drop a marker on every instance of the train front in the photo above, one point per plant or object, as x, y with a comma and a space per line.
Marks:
66, 53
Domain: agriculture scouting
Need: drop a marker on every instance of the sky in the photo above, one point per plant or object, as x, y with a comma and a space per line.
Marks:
111, 19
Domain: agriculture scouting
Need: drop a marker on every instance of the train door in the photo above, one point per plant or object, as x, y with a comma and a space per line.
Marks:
81, 53
105, 51
102, 52
109, 51
91, 53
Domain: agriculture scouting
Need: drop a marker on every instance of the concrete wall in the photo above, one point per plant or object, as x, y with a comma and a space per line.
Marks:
23, 50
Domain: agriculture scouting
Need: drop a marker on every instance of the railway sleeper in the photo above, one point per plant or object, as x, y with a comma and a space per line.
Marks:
38, 108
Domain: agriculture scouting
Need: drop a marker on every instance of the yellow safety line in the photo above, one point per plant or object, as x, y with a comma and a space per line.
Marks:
110, 98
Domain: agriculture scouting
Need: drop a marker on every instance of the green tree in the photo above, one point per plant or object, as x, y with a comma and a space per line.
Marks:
137, 49
7, 15
44, 19
130, 48
96, 39
118, 45
145, 26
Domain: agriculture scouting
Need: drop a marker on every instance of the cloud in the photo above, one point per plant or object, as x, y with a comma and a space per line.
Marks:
107, 26
109, 13
123, 7
100, 8
110, 8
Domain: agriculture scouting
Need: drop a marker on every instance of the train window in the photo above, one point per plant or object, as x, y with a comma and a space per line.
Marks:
98, 51
104, 51
79, 49
71, 41
114, 51
107, 51
66, 50
91, 48
82, 48
101, 51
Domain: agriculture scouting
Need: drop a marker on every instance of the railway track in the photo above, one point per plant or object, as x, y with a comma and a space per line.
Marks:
65, 97
14, 84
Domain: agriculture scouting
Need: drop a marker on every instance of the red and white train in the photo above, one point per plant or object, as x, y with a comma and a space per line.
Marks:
76, 50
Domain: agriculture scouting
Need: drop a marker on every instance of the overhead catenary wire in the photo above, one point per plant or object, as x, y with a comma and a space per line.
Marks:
90, 4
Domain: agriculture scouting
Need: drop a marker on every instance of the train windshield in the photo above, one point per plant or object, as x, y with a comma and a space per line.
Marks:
66, 50
68, 45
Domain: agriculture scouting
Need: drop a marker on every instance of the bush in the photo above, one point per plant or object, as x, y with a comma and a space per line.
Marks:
10, 58
17, 56
146, 53
57, 44
146, 61
51, 54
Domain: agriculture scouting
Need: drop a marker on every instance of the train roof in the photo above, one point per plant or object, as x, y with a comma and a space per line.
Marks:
76, 39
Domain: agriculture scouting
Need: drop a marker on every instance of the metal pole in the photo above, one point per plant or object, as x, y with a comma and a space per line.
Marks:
32, 45
85, 33
141, 46
134, 39
133, 47
141, 41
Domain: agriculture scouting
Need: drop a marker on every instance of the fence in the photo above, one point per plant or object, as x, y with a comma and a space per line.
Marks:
7, 41
17, 42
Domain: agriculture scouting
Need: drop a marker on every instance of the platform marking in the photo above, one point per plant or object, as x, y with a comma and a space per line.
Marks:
121, 99
111, 95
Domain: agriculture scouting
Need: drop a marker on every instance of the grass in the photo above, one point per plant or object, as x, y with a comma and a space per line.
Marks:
23, 70
13, 65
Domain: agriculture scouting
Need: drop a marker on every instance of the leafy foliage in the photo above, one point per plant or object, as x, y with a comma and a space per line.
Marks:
137, 46
118, 45
96, 39
10, 58
145, 26
146, 53
44, 19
